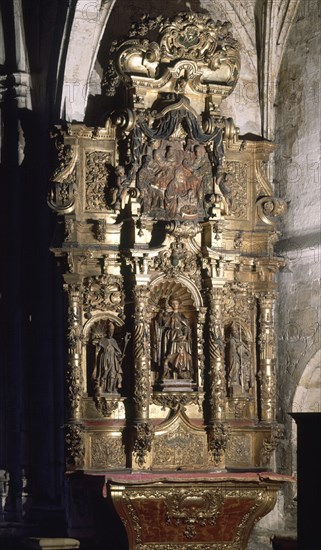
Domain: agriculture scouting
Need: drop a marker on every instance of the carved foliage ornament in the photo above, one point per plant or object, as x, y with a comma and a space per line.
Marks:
107, 452
96, 179
74, 443
218, 437
143, 442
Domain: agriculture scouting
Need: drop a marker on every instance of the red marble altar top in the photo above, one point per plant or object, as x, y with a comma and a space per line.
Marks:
154, 477
124, 478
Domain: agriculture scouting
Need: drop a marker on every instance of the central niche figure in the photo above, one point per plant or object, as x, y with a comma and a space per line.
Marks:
173, 343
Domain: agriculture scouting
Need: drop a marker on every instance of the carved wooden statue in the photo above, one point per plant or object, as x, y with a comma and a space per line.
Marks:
173, 343
108, 373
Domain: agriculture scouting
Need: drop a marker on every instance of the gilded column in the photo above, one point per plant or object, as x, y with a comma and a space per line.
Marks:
218, 431
266, 340
141, 353
216, 356
74, 440
74, 374
143, 431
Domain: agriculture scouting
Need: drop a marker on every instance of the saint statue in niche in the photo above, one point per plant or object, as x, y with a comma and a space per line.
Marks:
173, 343
108, 373
239, 368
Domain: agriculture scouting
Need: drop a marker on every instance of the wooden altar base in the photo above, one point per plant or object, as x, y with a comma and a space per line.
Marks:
188, 511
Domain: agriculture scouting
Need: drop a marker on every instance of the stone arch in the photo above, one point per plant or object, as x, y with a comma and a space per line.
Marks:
307, 397
88, 26
308, 391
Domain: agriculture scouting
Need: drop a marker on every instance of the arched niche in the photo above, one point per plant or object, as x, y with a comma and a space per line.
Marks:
174, 331
95, 331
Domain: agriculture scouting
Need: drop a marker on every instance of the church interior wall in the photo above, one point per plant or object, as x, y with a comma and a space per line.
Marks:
34, 309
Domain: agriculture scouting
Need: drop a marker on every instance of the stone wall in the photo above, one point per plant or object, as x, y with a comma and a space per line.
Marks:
297, 178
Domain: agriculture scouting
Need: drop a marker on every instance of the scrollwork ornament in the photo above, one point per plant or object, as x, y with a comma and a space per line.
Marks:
179, 509
63, 181
101, 292
143, 442
269, 209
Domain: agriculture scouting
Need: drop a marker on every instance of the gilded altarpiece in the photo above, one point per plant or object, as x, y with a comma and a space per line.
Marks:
167, 225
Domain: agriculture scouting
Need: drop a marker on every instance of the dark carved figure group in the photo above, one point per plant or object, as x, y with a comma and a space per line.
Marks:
172, 180
175, 180
172, 352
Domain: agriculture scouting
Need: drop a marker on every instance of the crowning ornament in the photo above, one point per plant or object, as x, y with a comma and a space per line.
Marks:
169, 230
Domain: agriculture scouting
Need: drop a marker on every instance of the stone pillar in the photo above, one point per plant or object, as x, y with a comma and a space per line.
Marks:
267, 357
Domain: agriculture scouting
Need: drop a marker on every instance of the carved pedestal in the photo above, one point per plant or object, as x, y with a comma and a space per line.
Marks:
195, 512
